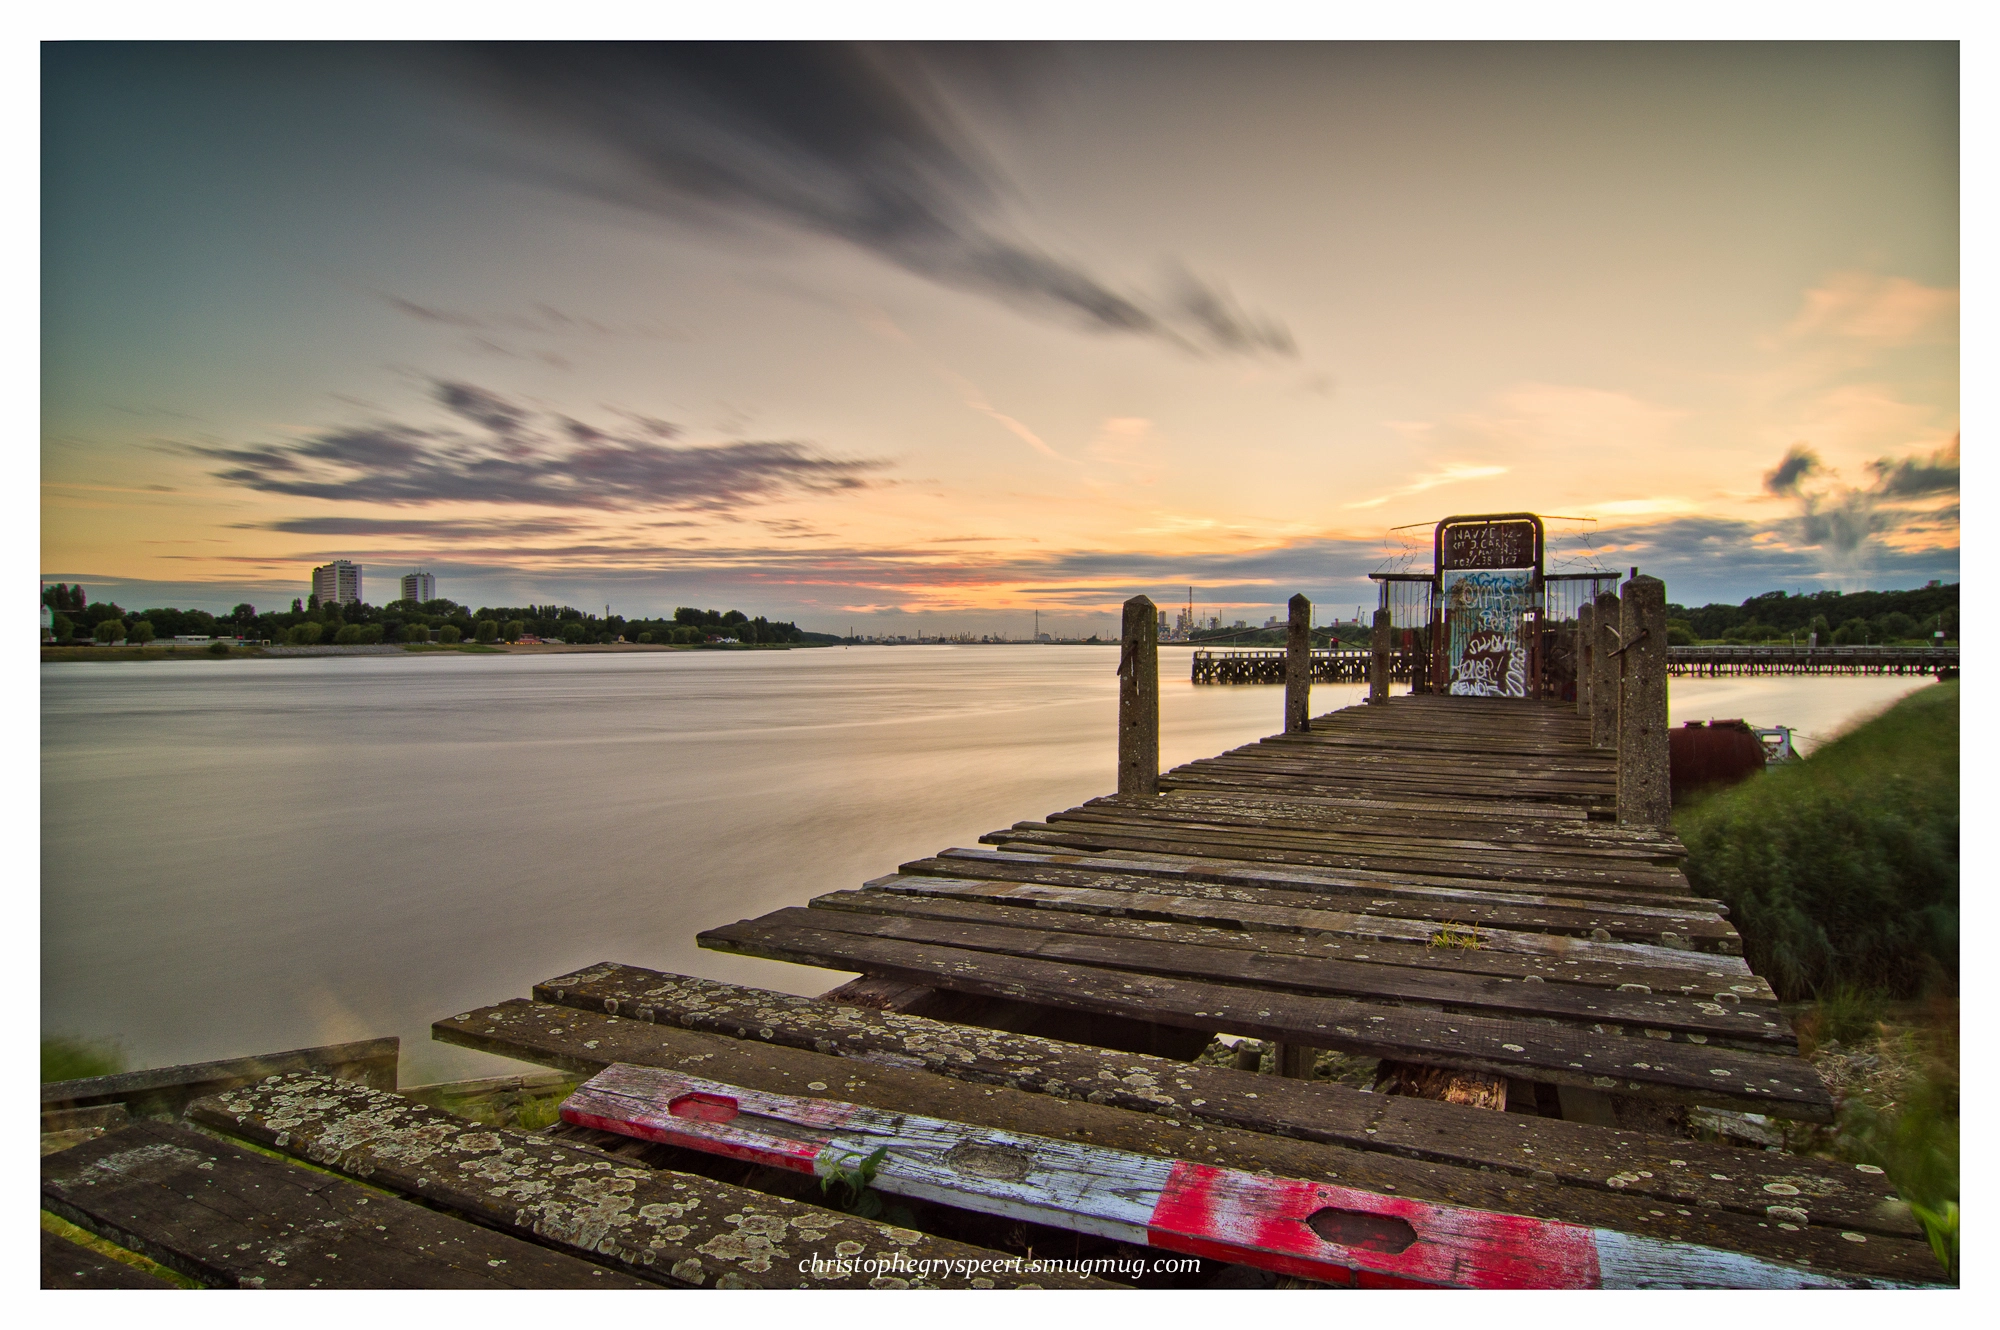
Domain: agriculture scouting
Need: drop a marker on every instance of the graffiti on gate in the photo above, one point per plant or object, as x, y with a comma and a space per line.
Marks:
1484, 611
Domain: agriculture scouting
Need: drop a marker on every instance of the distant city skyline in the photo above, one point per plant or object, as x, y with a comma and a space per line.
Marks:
929, 339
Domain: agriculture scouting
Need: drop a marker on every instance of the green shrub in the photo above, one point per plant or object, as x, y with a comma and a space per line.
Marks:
1843, 869
449, 634
142, 632
218, 648
110, 630
304, 634
416, 632
488, 631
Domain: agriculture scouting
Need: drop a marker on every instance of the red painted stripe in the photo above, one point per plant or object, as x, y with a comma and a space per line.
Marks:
1372, 1239
710, 1138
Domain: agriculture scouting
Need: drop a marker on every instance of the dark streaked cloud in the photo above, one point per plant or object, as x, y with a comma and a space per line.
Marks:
1841, 518
497, 451
851, 142
1918, 477
434, 529
1799, 463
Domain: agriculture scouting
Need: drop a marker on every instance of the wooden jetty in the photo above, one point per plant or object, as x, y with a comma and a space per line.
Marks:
1785, 659
1265, 665
1478, 895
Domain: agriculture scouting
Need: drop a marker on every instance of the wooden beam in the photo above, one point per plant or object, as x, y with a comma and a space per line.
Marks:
669, 1227
229, 1218
770, 1026
1316, 1230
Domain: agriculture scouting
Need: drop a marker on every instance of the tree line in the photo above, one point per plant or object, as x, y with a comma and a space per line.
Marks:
308, 623
1854, 618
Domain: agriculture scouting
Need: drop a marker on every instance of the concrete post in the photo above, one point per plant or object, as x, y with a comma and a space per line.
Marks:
1378, 661
1586, 627
1298, 667
1139, 701
1604, 673
1645, 798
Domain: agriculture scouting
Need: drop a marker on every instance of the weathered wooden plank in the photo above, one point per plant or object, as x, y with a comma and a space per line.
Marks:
667, 1226
165, 1091
1285, 963
1785, 1087
1487, 812
1172, 841
1410, 853
1290, 911
1330, 1233
66, 1265
1399, 835
1224, 957
1520, 1164
1139, 913
1541, 906
232, 1219
1323, 882
1321, 1111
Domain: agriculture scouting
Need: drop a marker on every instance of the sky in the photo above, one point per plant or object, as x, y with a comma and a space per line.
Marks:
902, 339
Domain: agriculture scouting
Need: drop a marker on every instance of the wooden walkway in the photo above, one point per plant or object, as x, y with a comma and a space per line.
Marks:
1435, 883
1432, 882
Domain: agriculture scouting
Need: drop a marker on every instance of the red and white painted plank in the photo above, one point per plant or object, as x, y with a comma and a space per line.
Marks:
1315, 1230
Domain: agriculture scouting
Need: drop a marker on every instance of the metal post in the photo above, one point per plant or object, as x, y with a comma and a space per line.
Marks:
1139, 701
1604, 673
1378, 661
1645, 798
1586, 624
1298, 667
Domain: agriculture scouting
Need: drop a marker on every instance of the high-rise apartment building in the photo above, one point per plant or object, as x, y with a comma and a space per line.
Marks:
337, 583
419, 587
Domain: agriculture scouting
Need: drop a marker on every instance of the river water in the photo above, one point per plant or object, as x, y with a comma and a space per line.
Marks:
246, 856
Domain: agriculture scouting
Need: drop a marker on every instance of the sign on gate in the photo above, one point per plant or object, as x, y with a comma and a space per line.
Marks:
1489, 581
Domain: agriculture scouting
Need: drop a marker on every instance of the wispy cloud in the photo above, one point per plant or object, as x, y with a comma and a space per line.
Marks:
1451, 474
497, 451
851, 142
1869, 307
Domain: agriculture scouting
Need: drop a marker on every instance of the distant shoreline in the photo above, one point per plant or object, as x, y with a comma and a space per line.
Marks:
190, 652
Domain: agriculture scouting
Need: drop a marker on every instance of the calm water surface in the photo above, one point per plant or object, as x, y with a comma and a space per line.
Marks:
244, 856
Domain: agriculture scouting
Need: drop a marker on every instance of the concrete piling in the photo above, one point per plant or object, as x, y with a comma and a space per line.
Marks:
1604, 672
1645, 798
1298, 666
1139, 700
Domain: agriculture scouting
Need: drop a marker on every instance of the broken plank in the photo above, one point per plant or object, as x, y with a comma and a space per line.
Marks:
229, 1218
1175, 1114
666, 1226
1534, 1050
1331, 1233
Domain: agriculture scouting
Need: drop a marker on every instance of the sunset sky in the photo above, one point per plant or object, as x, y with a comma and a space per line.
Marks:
934, 338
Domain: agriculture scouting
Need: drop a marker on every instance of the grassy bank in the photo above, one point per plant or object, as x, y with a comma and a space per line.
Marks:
1841, 871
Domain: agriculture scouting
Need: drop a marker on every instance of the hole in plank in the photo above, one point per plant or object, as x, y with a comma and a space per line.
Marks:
1357, 1228
703, 1107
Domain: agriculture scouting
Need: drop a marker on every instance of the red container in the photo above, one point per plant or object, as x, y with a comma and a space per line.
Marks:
1722, 752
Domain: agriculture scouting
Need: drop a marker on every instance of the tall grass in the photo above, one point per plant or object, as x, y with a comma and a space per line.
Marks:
1841, 871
